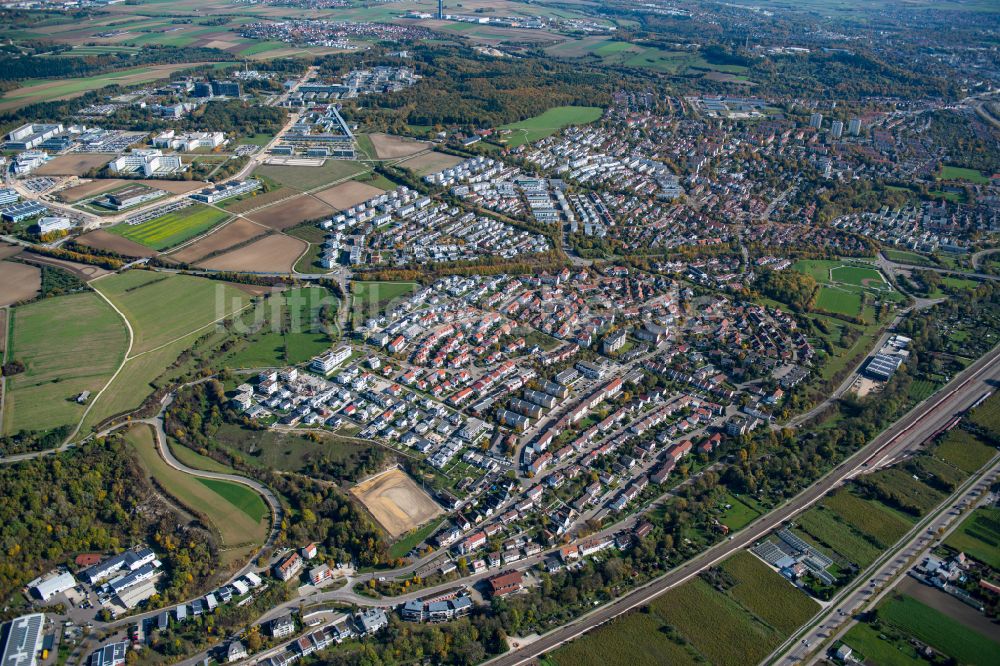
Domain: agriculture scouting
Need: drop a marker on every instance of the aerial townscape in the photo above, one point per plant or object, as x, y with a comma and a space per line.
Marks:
507, 332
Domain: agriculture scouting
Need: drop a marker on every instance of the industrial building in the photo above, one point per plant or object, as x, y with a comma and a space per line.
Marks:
23, 640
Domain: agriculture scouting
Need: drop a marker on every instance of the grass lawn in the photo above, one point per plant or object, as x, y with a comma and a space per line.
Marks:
819, 269
858, 276
875, 648
255, 140
921, 389
239, 531
242, 497
414, 538
550, 122
768, 595
69, 344
162, 307
173, 228
940, 631
371, 297
195, 460
905, 257
832, 299
897, 483
979, 536
988, 414
739, 515
311, 178
958, 173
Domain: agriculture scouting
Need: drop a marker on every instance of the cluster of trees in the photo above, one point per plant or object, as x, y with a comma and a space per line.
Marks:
462, 88
15, 68
320, 512
796, 289
87, 499
968, 141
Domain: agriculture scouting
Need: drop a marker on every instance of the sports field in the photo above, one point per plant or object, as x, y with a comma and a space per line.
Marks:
832, 299
396, 502
235, 512
979, 536
959, 173
842, 284
173, 228
551, 122
68, 344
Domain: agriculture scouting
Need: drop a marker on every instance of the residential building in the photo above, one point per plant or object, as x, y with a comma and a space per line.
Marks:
236, 651
288, 567
327, 361
504, 583
837, 129
816, 120
281, 627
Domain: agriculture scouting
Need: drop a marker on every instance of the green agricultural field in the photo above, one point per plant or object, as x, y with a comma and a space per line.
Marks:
294, 332
987, 414
551, 122
768, 595
958, 173
964, 450
921, 389
636, 639
833, 299
713, 623
979, 536
240, 533
822, 525
164, 307
69, 344
894, 482
940, 631
867, 517
311, 178
173, 228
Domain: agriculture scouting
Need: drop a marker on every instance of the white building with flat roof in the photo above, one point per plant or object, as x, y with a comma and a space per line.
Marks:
150, 161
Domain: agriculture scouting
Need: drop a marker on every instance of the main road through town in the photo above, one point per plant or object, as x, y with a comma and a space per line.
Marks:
923, 422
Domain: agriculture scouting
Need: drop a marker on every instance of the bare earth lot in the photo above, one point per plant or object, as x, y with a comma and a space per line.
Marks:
175, 186
224, 237
251, 203
290, 212
74, 164
396, 502
388, 146
273, 254
8, 250
430, 163
88, 189
18, 282
348, 194
102, 240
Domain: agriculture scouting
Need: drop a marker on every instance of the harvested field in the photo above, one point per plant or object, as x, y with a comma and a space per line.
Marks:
348, 194
85, 272
18, 282
102, 240
74, 164
8, 250
89, 189
225, 237
292, 211
396, 502
274, 254
260, 200
430, 163
388, 146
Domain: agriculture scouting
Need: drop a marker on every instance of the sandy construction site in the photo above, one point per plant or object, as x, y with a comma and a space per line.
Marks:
396, 501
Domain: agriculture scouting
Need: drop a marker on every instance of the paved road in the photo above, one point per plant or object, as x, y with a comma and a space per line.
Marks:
809, 644
891, 266
909, 432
